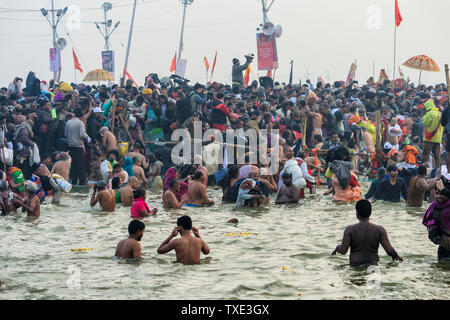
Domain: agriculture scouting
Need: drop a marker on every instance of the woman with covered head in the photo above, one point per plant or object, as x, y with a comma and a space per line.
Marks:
344, 182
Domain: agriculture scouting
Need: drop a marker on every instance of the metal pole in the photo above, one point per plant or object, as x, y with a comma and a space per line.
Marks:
129, 42
395, 45
182, 31
265, 19
54, 36
106, 30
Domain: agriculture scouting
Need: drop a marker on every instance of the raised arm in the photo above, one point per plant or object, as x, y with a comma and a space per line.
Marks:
168, 245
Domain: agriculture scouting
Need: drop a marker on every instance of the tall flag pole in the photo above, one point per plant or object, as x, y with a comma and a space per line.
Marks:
398, 20
214, 65
290, 74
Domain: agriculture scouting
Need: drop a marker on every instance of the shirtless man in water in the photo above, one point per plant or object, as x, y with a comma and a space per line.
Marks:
130, 248
5, 205
289, 192
126, 193
31, 204
364, 238
169, 198
62, 165
187, 248
106, 197
197, 192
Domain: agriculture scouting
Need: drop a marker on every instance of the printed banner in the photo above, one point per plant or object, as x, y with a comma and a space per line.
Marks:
266, 52
351, 73
55, 59
108, 61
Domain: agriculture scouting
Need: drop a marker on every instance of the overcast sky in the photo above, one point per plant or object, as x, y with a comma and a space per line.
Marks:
322, 37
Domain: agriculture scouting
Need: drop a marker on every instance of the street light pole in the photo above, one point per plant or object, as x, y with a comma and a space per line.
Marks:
185, 3
53, 24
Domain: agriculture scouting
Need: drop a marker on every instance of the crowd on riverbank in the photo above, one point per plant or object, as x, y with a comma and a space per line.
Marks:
118, 140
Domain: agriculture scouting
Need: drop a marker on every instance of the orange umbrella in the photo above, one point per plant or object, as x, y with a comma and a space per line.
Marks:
422, 62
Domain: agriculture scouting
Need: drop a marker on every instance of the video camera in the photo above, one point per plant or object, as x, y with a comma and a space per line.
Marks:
180, 80
250, 57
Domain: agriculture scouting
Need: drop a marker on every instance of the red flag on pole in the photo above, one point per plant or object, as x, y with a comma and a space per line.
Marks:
75, 61
173, 67
398, 16
214, 65
206, 64
269, 73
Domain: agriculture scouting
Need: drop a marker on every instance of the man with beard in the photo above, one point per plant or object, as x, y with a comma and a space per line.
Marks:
130, 248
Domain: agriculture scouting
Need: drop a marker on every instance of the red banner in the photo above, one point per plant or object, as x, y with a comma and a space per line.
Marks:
267, 57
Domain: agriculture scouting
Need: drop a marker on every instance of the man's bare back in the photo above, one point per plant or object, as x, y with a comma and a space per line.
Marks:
109, 141
128, 249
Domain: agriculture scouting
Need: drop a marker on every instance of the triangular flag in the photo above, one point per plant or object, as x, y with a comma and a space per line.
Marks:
77, 64
214, 65
398, 16
174, 63
351, 73
206, 64
247, 75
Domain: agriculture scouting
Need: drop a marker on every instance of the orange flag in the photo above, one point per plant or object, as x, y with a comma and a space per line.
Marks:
269, 73
174, 63
247, 76
214, 65
75, 61
398, 16
206, 64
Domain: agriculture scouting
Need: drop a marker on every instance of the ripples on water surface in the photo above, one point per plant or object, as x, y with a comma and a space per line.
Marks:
288, 257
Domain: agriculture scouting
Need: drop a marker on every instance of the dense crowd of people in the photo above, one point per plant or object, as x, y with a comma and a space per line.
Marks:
118, 140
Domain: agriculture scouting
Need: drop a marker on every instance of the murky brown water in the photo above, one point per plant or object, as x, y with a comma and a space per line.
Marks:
288, 258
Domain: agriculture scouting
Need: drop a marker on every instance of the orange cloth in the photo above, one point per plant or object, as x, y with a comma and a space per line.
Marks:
410, 154
391, 153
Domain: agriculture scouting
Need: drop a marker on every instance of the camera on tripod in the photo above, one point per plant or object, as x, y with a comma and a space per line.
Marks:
250, 57
180, 80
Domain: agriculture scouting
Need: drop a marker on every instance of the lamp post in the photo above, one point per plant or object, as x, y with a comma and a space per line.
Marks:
185, 3
53, 24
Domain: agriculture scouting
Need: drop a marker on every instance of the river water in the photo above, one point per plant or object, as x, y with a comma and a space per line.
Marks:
275, 252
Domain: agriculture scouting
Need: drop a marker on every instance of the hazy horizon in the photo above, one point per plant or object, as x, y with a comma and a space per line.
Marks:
322, 37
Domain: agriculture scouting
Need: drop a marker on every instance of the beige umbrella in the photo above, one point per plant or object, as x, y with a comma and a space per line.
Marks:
98, 75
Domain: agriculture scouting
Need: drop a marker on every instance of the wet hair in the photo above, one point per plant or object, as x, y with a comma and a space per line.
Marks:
115, 183
101, 185
233, 171
392, 168
139, 193
422, 170
135, 226
318, 137
286, 175
185, 222
135, 160
381, 174
363, 208
172, 183
198, 175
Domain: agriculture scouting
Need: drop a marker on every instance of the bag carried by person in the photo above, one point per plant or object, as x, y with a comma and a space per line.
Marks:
7, 156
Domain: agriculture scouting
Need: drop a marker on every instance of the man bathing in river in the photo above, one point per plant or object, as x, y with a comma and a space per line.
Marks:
126, 193
130, 248
197, 192
106, 197
31, 204
187, 248
364, 238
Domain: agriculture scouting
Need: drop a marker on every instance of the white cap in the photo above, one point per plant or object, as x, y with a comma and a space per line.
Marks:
97, 110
